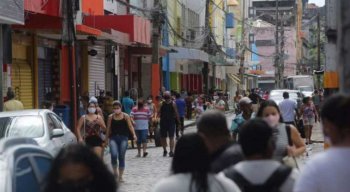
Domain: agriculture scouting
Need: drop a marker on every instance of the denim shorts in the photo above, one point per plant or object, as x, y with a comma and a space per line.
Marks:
141, 136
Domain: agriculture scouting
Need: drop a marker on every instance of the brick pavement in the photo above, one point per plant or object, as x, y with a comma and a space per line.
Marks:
142, 173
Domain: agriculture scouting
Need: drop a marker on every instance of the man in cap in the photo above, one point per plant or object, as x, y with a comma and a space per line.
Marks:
245, 105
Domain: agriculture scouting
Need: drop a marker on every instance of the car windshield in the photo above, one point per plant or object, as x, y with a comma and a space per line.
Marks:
305, 89
24, 126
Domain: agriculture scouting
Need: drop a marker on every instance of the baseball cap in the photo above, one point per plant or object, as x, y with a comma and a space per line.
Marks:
245, 100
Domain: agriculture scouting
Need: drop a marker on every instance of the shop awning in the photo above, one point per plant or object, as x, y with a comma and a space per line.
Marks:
234, 78
138, 28
190, 54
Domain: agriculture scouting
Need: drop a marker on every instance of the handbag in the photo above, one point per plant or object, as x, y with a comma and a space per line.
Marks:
288, 160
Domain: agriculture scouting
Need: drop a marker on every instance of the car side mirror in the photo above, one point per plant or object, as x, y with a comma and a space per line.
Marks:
57, 133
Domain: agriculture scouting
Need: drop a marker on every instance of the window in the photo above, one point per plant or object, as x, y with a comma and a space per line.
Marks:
25, 177
50, 123
4, 123
57, 121
26, 126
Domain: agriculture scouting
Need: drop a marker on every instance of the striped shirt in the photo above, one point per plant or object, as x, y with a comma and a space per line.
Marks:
141, 118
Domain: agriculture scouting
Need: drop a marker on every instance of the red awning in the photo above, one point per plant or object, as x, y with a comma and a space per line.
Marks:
88, 30
137, 27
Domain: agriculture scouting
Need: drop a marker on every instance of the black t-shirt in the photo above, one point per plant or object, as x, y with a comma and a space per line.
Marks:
225, 157
255, 98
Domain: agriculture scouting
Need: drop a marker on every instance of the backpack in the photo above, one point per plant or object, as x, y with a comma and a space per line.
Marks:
272, 184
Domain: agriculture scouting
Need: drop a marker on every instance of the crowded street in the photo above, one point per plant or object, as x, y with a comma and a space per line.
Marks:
174, 95
143, 173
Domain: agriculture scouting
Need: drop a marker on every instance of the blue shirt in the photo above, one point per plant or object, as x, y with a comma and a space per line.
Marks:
287, 108
181, 105
127, 103
238, 121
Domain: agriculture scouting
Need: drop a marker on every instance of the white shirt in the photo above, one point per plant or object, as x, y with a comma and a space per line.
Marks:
326, 172
181, 182
287, 108
257, 172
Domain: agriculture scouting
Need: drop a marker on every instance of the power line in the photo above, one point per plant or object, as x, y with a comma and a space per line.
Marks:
137, 8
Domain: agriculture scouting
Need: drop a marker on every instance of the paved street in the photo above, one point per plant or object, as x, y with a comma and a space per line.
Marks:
142, 173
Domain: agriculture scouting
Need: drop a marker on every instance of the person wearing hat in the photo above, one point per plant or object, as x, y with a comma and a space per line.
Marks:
245, 104
12, 104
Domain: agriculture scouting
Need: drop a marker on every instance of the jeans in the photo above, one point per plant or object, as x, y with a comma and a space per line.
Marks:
118, 145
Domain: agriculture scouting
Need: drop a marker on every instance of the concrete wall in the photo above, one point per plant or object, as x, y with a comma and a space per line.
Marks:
11, 12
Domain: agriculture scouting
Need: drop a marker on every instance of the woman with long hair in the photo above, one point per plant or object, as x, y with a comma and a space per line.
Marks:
78, 169
119, 128
190, 168
288, 141
89, 129
309, 114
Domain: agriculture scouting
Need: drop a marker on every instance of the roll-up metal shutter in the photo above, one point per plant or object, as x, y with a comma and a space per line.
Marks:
45, 74
97, 73
22, 83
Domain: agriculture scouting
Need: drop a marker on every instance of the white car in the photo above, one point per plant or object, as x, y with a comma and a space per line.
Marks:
23, 165
306, 90
44, 126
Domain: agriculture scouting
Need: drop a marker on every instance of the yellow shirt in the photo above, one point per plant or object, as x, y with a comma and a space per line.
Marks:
13, 105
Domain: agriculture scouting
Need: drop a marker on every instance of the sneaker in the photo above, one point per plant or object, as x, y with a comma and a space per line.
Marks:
165, 153
138, 155
145, 154
171, 154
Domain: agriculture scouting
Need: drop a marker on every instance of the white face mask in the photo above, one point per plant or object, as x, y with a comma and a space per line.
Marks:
216, 97
149, 101
92, 110
272, 120
117, 111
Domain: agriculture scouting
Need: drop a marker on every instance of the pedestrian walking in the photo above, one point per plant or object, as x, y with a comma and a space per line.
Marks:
330, 170
288, 110
12, 104
256, 99
245, 104
119, 129
309, 115
316, 100
78, 169
89, 129
141, 116
199, 109
98, 109
189, 106
181, 108
212, 126
219, 102
259, 172
190, 170
153, 123
168, 115
288, 140
127, 103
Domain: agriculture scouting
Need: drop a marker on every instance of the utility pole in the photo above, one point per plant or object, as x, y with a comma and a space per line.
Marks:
155, 50
68, 41
205, 70
277, 54
242, 70
343, 48
281, 68
318, 50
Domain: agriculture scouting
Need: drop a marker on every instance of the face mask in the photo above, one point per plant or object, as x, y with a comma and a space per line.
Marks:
117, 111
149, 101
166, 97
272, 120
92, 110
216, 97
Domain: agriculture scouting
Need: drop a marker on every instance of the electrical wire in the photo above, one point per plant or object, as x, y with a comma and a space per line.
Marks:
137, 8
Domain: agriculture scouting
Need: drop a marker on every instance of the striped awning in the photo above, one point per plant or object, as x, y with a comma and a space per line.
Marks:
234, 78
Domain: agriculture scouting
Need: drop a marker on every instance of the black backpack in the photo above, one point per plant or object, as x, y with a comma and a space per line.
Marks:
273, 183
